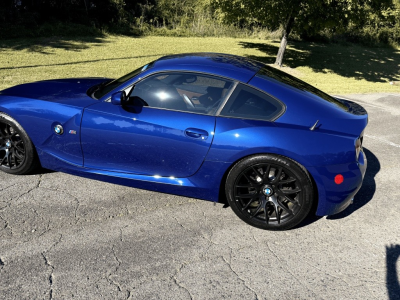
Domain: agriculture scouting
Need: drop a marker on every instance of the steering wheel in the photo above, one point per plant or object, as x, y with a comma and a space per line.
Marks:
188, 101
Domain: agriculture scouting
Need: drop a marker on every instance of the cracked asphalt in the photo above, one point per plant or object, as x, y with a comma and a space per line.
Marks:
66, 237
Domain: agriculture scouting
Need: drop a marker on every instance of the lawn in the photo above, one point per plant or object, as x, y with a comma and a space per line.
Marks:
336, 69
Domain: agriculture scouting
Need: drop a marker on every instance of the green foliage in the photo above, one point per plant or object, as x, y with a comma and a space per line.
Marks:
365, 21
315, 18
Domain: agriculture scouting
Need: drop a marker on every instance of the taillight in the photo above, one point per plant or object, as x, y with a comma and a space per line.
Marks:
358, 145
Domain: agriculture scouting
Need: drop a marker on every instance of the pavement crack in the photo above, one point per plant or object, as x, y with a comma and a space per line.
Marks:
288, 270
30, 190
111, 274
47, 229
6, 225
229, 263
7, 187
39, 181
50, 277
51, 266
175, 280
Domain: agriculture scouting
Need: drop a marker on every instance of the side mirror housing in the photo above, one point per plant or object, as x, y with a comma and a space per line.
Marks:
118, 98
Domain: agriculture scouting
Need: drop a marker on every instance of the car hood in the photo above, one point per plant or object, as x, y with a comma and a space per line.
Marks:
57, 90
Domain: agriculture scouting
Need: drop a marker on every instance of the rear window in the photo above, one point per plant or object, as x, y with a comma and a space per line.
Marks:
249, 103
268, 72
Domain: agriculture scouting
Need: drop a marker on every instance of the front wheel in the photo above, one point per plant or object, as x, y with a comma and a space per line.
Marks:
269, 192
17, 153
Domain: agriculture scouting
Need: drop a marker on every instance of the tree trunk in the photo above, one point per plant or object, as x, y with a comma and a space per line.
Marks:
281, 51
286, 31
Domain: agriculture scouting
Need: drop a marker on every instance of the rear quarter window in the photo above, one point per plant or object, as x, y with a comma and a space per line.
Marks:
268, 73
249, 103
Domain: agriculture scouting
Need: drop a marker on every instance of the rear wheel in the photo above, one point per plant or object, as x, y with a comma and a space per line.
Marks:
269, 192
17, 153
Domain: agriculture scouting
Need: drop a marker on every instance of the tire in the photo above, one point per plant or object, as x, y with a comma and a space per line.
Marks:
17, 153
269, 192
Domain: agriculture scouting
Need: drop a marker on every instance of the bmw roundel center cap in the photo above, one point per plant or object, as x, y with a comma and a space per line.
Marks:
268, 191
58, 129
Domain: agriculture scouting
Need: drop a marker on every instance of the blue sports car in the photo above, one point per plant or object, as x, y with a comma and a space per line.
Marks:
210, 126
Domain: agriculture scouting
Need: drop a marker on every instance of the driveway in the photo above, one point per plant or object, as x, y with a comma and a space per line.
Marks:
66, 237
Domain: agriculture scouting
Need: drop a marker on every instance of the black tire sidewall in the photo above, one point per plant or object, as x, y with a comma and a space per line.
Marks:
30, 161
298, 171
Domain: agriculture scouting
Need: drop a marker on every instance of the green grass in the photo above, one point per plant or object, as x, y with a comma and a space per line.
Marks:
334, 68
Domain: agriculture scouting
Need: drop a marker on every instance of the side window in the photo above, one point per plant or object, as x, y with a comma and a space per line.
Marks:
181, 91
249, 103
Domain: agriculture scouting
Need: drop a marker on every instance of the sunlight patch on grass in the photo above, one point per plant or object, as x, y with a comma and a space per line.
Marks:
335, 69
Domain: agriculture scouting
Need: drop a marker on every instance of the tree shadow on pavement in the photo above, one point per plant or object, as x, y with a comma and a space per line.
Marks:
369, 63
368, 188
392, 277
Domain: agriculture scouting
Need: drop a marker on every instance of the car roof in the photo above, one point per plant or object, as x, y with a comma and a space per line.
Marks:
226, 65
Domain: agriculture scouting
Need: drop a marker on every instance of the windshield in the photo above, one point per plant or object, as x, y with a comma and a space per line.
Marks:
104, 89
270, 72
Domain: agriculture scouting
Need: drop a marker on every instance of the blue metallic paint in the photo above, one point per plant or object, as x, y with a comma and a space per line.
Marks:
149, 142
150, 149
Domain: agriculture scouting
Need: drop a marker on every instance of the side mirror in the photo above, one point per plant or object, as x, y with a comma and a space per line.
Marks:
118, 98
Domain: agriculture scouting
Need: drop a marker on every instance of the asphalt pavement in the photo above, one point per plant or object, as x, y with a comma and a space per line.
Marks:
66, 237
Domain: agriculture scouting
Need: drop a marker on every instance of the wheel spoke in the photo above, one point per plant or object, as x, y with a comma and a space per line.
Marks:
246, 195
294, 201
20, 157
244, 186
248, 179
266, 173
11, 159
289, 180
289, 211
278, 216
257, 172
249, 203
289, 192
278, 176
4, 158
266, 212
16, 145
21, 150
257, 211
3, 148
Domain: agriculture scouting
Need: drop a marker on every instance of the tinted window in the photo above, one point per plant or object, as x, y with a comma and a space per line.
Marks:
181, 91
269, 72
109, 86
249, 103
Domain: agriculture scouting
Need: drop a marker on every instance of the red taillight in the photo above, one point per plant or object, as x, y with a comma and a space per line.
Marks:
338, 178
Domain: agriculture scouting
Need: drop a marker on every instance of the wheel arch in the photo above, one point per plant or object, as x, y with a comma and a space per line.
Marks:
222, 193
31, 153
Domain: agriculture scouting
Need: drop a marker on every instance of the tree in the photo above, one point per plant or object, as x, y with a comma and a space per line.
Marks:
306, 18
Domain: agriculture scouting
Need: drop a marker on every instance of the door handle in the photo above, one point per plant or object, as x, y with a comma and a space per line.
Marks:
196, 133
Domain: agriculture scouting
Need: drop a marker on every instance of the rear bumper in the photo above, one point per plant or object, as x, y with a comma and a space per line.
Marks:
334, 198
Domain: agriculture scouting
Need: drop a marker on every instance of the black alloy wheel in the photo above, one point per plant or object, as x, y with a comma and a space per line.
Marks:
17, 154
270, 192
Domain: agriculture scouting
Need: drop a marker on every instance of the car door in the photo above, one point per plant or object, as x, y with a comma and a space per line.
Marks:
162, 130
